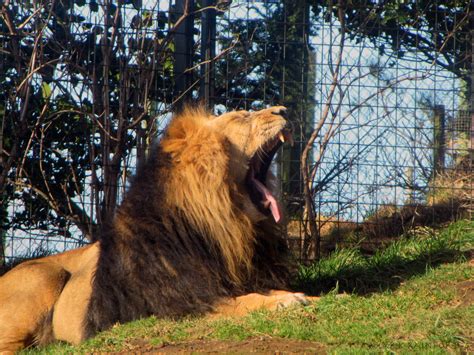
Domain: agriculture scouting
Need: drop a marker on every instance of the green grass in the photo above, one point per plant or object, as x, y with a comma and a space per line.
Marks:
403, 299
350, 271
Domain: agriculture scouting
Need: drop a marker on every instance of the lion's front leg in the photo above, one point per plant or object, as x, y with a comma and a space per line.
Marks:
275, 299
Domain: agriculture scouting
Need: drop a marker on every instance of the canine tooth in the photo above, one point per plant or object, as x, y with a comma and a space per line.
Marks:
282, 137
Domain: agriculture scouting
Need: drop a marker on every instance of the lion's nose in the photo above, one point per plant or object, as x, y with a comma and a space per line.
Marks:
280, 110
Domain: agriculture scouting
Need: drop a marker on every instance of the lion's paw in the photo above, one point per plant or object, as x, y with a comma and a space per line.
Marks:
291, 299
274, 300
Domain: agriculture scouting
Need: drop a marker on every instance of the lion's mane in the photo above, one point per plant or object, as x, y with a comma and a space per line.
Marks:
180, 239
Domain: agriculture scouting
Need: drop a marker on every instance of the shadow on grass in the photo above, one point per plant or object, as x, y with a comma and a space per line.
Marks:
364, 280
350, 271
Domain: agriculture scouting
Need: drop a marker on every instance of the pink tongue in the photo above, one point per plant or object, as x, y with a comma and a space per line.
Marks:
269, 200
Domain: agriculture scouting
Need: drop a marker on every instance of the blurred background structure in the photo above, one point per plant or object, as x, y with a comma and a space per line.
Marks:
380, 94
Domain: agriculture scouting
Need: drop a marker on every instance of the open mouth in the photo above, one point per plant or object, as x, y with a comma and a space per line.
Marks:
257, 174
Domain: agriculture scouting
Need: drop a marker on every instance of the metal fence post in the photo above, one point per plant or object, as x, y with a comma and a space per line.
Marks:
471, 106
471, 93
439, 139
183, 51
208, 52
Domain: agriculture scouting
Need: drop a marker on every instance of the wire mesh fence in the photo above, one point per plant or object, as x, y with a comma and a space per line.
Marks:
379, 93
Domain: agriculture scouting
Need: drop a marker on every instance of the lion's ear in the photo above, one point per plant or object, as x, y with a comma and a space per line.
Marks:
197, 149
177, 134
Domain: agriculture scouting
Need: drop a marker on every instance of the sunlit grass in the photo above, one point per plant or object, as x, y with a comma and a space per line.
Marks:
351, 271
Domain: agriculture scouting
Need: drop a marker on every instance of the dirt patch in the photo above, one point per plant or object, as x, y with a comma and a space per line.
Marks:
263, 345
466, 292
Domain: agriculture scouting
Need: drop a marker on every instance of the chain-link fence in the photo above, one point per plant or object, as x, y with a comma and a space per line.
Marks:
380, 95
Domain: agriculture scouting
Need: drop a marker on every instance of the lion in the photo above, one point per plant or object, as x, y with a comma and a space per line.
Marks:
196, 233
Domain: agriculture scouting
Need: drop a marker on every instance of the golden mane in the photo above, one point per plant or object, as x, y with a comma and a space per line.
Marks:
202, 190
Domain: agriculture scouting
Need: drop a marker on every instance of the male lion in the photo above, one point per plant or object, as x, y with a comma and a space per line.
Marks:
195, 233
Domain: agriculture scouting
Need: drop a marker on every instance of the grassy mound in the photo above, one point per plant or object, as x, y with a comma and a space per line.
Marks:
415, 296
349, 270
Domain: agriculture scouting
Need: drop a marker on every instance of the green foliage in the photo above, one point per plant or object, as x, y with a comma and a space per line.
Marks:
67, 116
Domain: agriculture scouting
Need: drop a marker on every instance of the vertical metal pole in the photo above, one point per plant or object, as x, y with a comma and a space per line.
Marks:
471, 106
439, 139
183, 51
208, 52
471, 87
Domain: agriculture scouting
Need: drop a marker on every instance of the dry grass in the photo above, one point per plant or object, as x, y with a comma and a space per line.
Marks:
454, 185
401, 220
450, 198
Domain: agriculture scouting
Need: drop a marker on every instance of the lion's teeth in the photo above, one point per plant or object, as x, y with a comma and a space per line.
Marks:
286, 136
281, 136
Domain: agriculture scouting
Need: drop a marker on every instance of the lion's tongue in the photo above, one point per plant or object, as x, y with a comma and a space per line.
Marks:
269, 200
